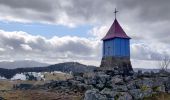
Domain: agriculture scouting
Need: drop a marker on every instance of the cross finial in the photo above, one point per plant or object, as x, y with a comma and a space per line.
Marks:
115, 12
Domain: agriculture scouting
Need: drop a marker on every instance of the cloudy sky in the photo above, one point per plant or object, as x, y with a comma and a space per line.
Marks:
55, 31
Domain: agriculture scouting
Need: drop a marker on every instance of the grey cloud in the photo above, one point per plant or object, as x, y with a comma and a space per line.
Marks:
38, 5
90, 11
98, 10
26, 46
148, 51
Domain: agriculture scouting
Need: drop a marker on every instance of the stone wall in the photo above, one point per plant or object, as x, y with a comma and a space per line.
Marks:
112, 85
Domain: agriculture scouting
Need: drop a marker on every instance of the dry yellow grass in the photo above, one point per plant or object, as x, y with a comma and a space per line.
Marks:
57, 76
160, 96
38, 95
6, 85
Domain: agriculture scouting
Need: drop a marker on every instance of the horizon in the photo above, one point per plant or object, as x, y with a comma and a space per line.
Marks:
67, 31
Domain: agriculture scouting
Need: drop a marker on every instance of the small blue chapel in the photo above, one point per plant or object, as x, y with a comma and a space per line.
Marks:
116, 43
116, 49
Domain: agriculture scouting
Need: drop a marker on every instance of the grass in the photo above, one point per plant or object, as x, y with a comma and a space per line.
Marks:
37, 95
6, 85
57, 76
160, 96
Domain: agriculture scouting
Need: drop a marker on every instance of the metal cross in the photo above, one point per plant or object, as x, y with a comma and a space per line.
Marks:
115, 12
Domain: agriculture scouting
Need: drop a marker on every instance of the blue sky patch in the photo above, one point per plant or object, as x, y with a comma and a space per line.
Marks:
46, 30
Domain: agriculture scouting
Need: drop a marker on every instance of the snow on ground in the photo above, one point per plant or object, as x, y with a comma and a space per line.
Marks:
2, 78
19, 77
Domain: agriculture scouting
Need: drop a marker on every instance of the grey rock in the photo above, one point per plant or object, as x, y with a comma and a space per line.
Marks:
138, 83
94, 95
108, 92
128, 78
100, 86
147, 82
103, 78
147, 92
131, 85
79, 78
74, 82
89, 75
83, 87
157, 81
124, 96
117, 80
146, 74
90, 81
136, 94
120, 88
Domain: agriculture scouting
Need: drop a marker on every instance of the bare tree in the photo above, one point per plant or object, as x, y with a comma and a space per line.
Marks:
164, 63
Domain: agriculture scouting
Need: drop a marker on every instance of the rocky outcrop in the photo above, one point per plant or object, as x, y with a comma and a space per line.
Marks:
111, 85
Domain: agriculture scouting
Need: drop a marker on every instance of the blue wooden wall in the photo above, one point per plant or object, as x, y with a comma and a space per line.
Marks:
117, 47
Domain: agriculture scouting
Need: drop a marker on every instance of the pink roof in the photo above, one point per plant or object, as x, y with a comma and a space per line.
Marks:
115, 31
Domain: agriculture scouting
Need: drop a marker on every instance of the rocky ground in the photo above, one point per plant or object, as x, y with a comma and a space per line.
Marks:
112, 85
99, 85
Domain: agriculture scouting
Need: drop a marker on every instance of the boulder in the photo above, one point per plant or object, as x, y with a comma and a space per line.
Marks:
117, 80
73, 82
128, 78
141, 93
94, 95
83, 87
146, 74
136, 94
131, 85
120, 88
147, 92
90, 81
147, 82
158, 81
79, 78
102, 78
123, 96
100, 86
108, 92
89, 75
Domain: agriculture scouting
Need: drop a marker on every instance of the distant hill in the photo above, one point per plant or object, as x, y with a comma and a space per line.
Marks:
63, 67
21, 64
